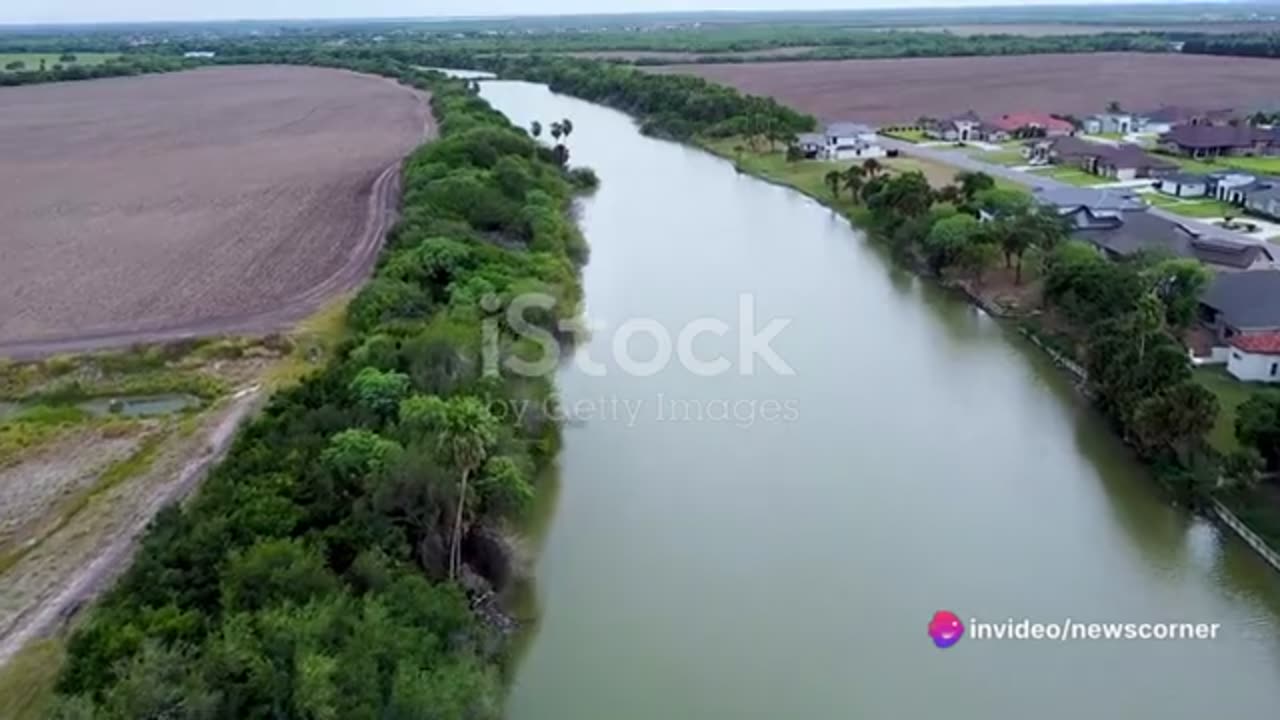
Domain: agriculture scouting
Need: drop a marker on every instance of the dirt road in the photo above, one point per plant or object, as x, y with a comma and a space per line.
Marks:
50, 605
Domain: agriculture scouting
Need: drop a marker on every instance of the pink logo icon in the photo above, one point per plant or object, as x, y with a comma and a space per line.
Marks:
946, 629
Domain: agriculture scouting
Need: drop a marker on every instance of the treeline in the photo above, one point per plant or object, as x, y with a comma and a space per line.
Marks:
1244, 45
886, 45
117, 67
672, 106
320, 571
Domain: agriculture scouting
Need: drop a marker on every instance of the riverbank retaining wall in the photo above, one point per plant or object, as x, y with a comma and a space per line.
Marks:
1259, 545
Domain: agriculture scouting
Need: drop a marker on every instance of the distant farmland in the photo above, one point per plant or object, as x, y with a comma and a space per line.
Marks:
198, 202
901, 90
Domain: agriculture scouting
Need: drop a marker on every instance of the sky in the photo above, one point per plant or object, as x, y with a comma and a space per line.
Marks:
92, 11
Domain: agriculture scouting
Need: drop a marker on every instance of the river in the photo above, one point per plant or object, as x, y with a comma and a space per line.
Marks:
772, 545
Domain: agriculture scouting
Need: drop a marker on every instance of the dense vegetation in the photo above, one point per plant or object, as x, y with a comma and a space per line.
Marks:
671, 106
22, 74
1244, 44
321, 570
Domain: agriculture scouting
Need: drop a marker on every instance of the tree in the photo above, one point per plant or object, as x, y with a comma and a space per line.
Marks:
972, 183
903, 196
1113, 106
1258, 426
976, 257
16, 65
1177, 419
950, 194
948, 238
380, 392
465, 433
854, 180
872, 167
1179, 283
535, 129
1002, 202
557, 131
67, 58
566, 128
833, 180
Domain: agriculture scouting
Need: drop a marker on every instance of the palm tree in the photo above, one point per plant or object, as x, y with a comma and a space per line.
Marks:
872, 167
557, 130
854, 180
566, 128
833, 180
465, 431
535, 129
1113, 106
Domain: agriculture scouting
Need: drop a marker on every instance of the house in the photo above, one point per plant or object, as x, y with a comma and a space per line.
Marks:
1231, 186
1264, 200
204, 54
1111, 123
1209, 141
841, 141
1120, 162
1184, 185
1091, 207
1028, 124
1255, 357
959, 128
1242, 310
1131, 233
1165, 118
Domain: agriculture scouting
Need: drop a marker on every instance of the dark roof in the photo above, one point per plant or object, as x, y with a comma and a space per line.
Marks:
845, 129
1246, 300
1263, 191
1178, 114
1218, 136
1144, 232
969, 116
1123, 155
1069, 199
1132, 156
1186, 178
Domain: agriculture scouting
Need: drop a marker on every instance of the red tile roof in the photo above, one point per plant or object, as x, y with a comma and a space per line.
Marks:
1013, 121
1267, 343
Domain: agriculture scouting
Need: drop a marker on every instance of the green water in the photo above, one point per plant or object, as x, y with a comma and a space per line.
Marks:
787, 566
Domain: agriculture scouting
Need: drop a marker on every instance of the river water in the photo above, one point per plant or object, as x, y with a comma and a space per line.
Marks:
764, 544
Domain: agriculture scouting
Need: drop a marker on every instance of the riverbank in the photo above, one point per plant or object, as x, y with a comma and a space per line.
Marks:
366, 505
1024, 311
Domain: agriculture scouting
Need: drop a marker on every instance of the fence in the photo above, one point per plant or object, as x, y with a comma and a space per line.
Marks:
1254, 541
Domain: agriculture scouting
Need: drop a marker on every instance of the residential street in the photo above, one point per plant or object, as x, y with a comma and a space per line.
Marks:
964, 161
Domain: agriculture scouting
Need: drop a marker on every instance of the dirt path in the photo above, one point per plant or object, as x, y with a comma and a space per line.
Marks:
357, 261
47, 607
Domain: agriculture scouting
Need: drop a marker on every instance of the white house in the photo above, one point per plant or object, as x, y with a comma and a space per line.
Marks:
1255, 357
1184, 185
1122, 123
200, 54
842, 141
959, 128
1264, 201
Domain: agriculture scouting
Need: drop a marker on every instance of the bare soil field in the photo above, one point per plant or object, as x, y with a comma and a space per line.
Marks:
678, 56
1042, 29
218, 200
901, 90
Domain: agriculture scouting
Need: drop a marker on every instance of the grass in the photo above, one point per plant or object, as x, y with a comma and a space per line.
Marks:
911, 136
1008, 158
1258, 165
314, 340
1231, 394
1072, 176
1193, 207
27, 682
1108, 136
32, 60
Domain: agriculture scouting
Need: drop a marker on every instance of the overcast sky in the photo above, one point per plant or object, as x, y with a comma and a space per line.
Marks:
84, 11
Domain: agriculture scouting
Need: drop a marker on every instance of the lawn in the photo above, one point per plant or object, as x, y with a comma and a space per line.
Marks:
1231, 394
1193, 207
1258, 165
911, 136
31, 61
27, 682
1070, 175
1008, 158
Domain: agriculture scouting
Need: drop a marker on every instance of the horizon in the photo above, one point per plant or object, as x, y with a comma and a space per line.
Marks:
500, 12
